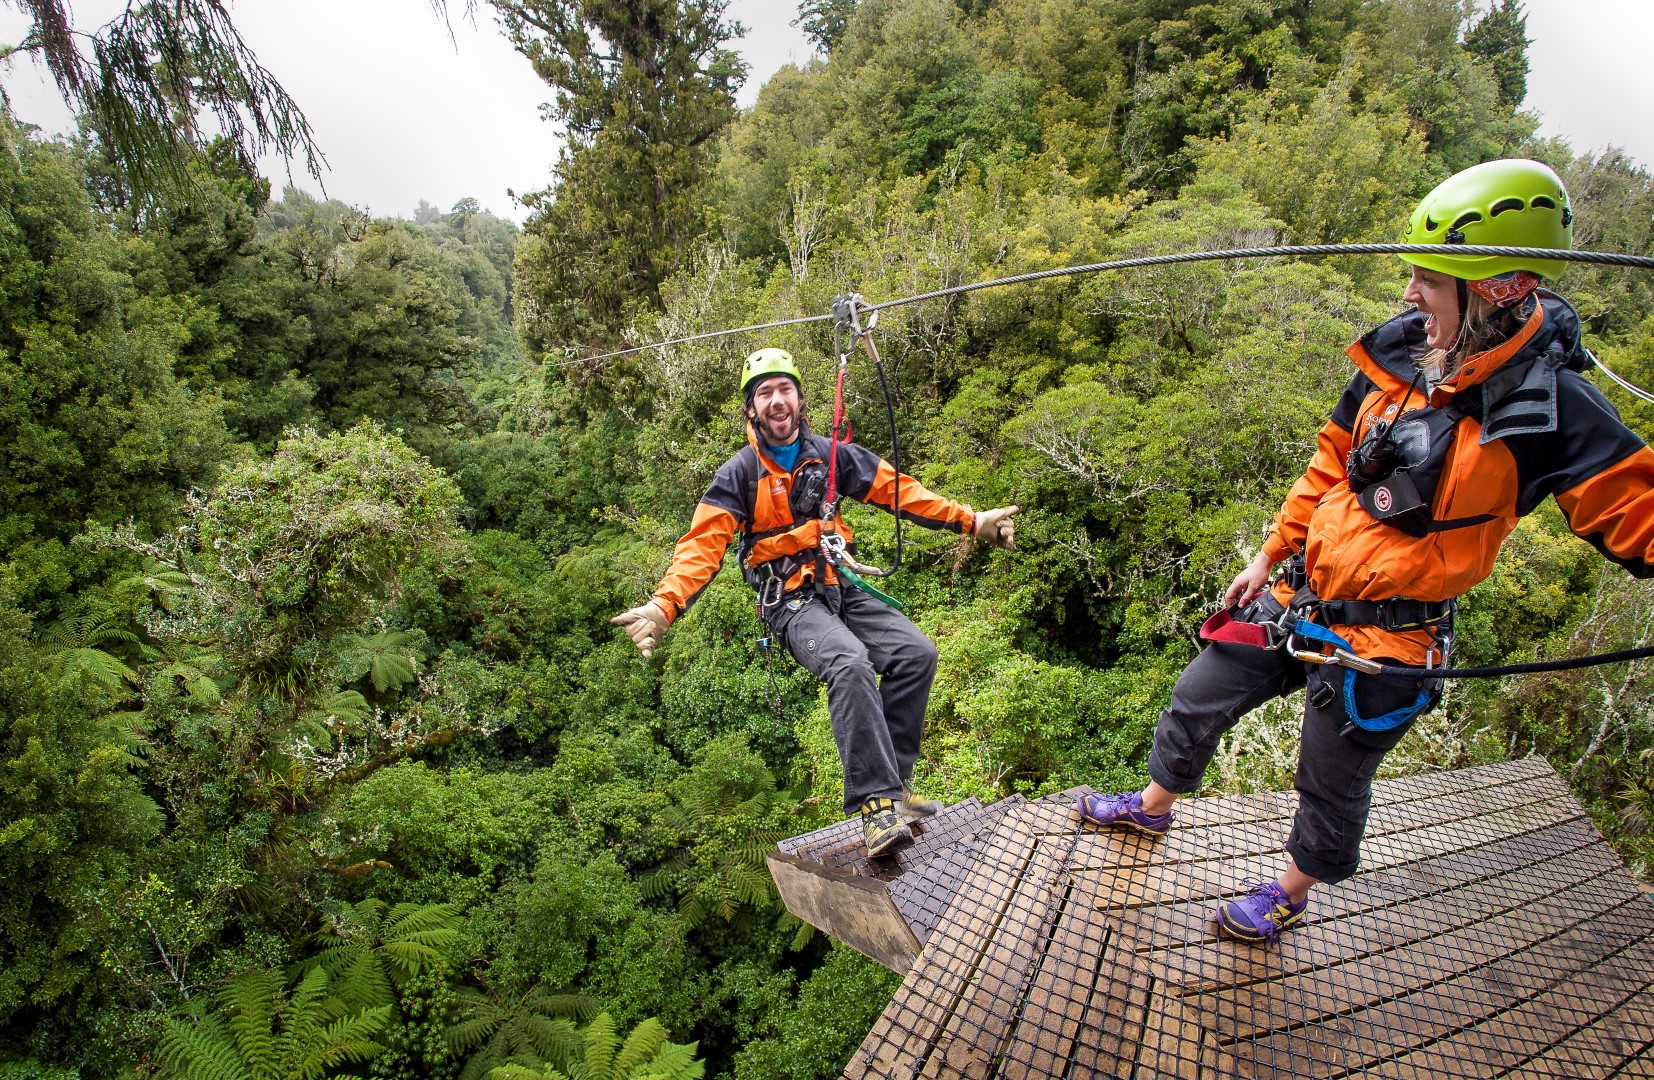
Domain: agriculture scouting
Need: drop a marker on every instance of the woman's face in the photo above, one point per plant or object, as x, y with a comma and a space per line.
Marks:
1436, 295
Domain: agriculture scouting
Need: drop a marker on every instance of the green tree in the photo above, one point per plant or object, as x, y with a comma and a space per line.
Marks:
824, 21
76, 821
154, 69
1330, 170
98, 426
643, 88
1500, 40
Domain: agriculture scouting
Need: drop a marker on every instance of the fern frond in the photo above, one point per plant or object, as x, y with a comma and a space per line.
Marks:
802, 936
576, 1006
95, 666
552, 1037
409, 957
674, 1061
349, 1039
253, 1001
407, 918
657, 882
513, 1071
601, 1044
361, 983
640, 1047
467, 1035
202, 1051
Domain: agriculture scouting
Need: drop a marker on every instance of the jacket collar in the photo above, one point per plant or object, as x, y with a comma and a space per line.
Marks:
1387, 353
758, 446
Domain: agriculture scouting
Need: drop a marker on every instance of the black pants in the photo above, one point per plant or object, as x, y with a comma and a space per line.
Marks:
1335, 771
878, 668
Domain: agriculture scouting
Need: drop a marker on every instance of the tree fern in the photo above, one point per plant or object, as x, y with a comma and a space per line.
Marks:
719, 870
260, 1032
600, 1054
528, 1030
79, 644
369, 948
387, 658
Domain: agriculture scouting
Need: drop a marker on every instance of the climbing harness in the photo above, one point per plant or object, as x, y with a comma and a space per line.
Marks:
1295, 631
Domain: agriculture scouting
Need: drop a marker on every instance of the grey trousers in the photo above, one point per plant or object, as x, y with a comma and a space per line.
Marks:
878, 668
1335, 771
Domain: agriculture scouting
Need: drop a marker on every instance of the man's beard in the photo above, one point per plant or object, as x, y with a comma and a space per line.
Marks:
778, 438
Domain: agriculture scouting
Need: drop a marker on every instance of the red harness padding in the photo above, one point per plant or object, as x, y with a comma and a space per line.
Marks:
1223, 627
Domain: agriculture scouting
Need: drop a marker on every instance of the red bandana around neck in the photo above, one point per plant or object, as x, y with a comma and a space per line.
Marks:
1506, 289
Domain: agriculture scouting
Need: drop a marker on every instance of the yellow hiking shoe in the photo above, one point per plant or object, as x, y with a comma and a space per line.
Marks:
883, 830
911, 805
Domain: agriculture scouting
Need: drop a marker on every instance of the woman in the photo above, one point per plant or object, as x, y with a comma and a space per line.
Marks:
1463, 415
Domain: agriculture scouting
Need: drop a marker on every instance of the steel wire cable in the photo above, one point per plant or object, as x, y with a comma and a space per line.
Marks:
1597, 258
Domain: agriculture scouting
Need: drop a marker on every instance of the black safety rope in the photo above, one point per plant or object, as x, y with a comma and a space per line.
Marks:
1597, 258
848, 311
1500, 670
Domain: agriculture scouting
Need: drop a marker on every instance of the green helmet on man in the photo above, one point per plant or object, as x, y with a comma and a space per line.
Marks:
764, 363
1512, 202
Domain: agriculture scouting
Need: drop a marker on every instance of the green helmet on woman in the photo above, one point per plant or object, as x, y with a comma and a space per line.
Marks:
1512, 202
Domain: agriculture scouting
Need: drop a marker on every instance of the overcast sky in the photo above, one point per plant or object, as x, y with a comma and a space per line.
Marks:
404, 112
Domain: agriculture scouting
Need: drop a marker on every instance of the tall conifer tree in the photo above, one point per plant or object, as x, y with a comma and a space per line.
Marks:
643, 87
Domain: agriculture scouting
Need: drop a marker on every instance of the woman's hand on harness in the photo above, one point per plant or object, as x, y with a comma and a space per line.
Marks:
1249, 582
996, 527
645, 625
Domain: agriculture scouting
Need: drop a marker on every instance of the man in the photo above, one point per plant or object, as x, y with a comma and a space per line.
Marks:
877, 665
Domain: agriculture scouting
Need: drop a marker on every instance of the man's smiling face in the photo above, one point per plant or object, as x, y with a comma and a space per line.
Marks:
776, 410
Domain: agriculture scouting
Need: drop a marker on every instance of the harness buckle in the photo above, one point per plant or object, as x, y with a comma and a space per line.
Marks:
1278, 631
832, 545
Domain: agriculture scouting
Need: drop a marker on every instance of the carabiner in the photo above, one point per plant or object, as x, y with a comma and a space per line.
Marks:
771, 593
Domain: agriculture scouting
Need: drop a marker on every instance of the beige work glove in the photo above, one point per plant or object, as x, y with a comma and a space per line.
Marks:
645, 625
997, 528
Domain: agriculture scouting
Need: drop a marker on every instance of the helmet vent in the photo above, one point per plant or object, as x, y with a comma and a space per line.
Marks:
1505, 204
1469, 217
1431, 224
1540, 200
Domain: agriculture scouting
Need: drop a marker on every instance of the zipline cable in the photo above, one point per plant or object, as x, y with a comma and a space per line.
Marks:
1597, 258
1634, 391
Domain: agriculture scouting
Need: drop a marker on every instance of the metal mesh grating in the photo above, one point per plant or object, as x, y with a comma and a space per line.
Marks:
1491, 932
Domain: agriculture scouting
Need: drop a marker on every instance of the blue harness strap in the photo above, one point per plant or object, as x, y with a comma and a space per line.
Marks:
1385, 722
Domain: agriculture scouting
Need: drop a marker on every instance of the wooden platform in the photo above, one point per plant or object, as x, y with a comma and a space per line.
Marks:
1491, 932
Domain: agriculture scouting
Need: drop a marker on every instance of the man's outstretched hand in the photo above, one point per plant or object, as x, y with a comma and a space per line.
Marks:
645, 625
997, 527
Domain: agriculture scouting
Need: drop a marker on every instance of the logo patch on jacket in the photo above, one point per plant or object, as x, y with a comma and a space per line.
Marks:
777, 487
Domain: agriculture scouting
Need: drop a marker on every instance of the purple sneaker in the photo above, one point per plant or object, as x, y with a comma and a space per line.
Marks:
1123, 809
1260, 915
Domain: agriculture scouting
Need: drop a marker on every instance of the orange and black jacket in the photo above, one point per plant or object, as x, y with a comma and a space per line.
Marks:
754, 497
1529, 425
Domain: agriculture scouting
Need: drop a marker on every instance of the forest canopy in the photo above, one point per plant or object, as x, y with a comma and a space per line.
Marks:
320, 757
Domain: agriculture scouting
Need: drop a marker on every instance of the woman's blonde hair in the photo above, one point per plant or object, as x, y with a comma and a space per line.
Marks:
1482, 326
